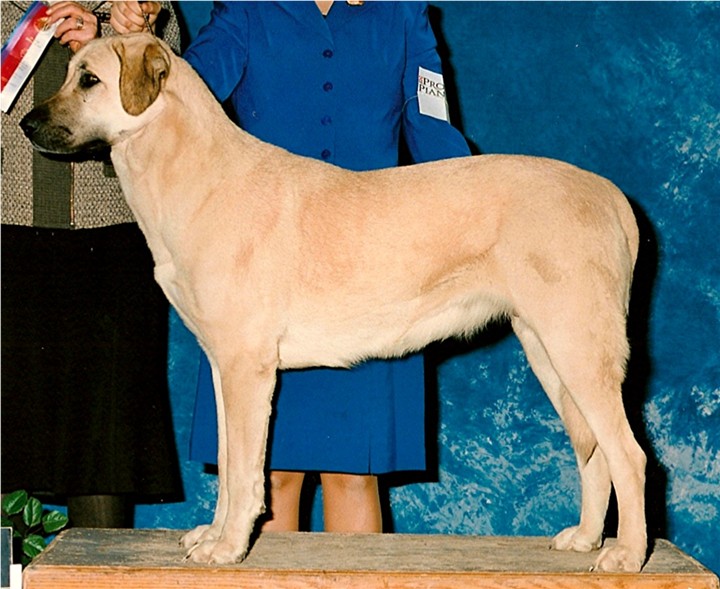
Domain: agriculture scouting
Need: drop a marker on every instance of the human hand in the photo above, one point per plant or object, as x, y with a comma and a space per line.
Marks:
129, 16
79, 27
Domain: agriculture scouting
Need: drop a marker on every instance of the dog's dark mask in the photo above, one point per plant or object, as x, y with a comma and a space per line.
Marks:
57, 140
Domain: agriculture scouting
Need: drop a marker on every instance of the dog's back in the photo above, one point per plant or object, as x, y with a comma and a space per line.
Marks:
438, 249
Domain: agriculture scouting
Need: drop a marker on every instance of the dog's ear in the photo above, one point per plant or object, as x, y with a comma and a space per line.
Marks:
143, 70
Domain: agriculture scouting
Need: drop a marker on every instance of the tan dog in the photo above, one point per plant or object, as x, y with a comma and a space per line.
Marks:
277, 261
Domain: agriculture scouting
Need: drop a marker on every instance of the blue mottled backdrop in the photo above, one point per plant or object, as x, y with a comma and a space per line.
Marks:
632, 92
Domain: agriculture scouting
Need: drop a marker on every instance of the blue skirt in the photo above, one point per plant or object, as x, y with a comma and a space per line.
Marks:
366, 420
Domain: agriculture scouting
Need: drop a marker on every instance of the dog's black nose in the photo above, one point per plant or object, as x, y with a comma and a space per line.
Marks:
30, 123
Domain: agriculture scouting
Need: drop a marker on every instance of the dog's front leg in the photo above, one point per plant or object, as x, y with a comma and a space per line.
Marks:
247, 387
212, 532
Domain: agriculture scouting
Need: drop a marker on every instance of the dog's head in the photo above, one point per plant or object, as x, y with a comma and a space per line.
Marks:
111, 90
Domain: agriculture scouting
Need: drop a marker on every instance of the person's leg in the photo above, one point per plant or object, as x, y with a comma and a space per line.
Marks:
351, 503
100, 511
284, 513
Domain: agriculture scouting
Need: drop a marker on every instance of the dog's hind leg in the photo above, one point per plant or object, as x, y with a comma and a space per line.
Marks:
248, 382
594, 474
587, 349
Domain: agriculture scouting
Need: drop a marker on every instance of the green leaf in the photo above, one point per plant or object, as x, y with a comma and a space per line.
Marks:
32, 514
54, 521
14, 502
33, 545
6, 522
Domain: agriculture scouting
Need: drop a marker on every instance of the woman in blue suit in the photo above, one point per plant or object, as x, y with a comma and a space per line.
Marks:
336, 81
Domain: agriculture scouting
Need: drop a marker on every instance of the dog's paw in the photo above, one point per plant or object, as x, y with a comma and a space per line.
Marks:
619, 559
198, 535
573, 539
216, 552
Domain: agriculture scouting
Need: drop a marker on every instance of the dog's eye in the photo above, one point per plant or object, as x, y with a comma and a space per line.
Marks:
88, 80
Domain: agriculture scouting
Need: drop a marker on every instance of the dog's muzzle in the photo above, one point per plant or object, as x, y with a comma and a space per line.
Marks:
44, 135
48, 136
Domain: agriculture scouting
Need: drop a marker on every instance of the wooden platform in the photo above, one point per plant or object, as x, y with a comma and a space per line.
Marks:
152, 559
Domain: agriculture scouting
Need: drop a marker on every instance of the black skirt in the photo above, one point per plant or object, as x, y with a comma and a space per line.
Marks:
85, 403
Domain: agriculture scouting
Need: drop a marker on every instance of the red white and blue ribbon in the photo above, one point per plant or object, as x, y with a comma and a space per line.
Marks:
23, 50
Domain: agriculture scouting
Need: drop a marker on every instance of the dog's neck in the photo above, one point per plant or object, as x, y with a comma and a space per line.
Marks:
186, 120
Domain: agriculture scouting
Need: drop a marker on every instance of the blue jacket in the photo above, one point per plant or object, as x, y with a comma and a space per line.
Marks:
343, 91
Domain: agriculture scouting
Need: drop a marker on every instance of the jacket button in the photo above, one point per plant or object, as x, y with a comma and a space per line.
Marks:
326, 120
328, 53
325, 154
327, 86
